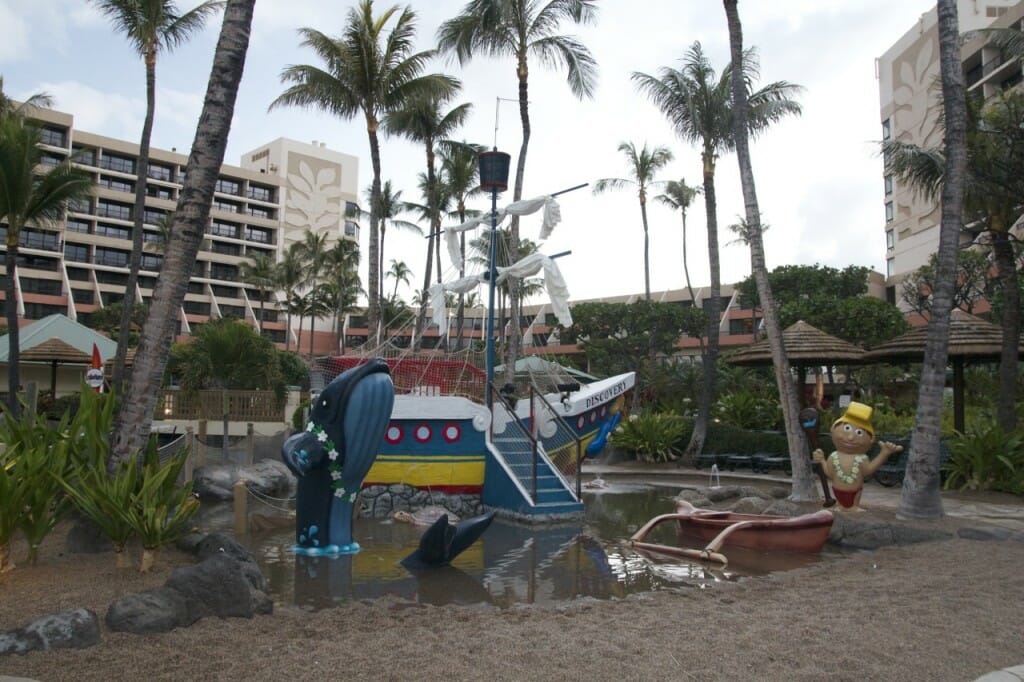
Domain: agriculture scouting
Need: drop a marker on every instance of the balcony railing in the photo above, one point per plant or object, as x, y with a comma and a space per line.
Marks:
239, 406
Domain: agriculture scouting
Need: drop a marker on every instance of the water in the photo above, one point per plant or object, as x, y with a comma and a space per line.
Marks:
510, 564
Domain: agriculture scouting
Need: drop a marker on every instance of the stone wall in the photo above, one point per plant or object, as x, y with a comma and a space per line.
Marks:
381, 501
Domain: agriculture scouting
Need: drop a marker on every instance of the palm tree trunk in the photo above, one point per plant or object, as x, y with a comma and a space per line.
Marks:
373, 277
139, 212
920, 495
803, 483
134, 418
288, 321
514, 303
689, 286
460, 316
1007, 267
11, 308
435, 226
381, 258
709, 358
647, 251
262, 296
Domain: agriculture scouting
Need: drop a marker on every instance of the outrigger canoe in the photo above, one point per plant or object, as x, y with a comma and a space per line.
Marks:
806, 533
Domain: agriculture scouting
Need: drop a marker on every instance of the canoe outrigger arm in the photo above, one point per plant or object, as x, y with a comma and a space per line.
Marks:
709, 553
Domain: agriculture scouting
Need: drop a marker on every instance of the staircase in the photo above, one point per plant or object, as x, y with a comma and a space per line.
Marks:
519, 478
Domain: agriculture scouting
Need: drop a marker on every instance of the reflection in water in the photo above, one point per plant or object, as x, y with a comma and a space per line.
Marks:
509, 564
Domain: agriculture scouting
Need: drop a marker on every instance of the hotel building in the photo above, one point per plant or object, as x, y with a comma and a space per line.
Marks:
908, 81
259, 208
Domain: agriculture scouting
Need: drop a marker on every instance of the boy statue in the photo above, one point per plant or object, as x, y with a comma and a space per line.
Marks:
849, 465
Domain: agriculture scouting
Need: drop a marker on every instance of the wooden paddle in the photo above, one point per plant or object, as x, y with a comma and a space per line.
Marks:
809, 422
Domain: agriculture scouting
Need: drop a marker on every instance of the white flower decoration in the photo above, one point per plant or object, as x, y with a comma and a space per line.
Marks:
339, 493
310, 426
335, 475
322, 436
332, 455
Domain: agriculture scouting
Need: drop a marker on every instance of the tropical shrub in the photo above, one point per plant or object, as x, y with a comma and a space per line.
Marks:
986, 458
652, 436
727, 439
749, 410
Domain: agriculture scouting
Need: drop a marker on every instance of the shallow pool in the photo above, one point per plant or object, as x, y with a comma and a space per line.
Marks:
510, 564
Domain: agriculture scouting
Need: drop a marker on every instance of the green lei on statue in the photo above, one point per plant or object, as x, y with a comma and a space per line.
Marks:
847, 478
334, 467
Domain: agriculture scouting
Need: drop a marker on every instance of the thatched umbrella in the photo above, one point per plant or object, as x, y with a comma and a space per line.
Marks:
56, 352
970, 339
806, 346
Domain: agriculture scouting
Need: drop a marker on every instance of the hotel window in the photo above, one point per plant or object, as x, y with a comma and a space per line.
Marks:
890, 240
78, 274
226, 249
112, 231
196, 288
229, 206
888, 212
196, 307
34, 239
225, 186
113, 257
46, 287
158, 172
351, 229
80, 205
152, 237
84, 155
76, 253
159, 192
53, 137
886, 129
115, 162
256, 234
154, 216
260, 212
888, 185
260, 193
224, 229
115, 278
151, 262
83, 296
224, 272
147, 282
76, 225
116, 184
888, 267
49, 159
112, 209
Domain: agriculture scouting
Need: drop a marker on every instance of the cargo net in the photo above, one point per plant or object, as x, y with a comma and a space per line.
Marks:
450, 375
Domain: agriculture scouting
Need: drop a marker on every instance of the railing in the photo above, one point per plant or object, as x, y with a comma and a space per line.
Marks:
515, 442
237, 406
561, 443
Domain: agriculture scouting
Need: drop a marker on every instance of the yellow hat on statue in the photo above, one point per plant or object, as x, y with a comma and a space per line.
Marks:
859, 415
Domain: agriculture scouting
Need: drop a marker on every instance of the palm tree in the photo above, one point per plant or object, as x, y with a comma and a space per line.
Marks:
460, 177
28, 197
289, 276
423, 120
399, 272
258, 271
679, 196
391, 206
920, 496
523, 29
698, 106
151, 26
369, 71
227, 354
750, 231
643, 166
343, 288
8, 107
135, 414
995, 183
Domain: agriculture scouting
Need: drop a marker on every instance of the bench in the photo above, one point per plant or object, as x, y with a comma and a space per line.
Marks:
765, 463
706, 460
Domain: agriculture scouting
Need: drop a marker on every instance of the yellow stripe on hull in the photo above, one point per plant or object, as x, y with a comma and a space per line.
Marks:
421, 473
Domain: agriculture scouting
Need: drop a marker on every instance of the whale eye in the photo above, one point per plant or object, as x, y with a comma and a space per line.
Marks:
323, 403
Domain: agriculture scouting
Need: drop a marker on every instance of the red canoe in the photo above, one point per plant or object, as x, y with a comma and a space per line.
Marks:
806, 533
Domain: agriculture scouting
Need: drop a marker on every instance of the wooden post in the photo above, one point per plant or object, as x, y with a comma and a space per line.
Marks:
31, 397
201, 449
250, 444
224, 439
240, 504
190, 461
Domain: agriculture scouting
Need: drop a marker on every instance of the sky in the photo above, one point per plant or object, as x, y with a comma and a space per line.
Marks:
818, 176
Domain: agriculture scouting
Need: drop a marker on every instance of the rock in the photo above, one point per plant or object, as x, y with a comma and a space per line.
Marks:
190, 543
847, 532
726, 492
266, 477
85, 538
986, 533
217, 544
750, 505
784, 508
159, 610
750, 491
220, 586
77, 629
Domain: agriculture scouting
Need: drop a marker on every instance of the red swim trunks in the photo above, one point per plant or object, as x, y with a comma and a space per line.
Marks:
847, 498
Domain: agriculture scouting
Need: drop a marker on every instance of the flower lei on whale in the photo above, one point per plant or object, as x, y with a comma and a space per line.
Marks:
334, 468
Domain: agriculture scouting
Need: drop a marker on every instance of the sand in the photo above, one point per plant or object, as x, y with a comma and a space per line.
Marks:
949, 610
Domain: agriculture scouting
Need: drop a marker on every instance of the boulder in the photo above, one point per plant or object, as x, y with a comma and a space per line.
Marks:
75, 629
159, 610
216, 544
220, 586
267, 477
985, 533
85, 538
750, 505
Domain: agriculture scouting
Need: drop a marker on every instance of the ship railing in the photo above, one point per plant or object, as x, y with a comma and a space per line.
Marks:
560, 441
515, 442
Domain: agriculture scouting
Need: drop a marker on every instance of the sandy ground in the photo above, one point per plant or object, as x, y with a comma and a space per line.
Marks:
938, 611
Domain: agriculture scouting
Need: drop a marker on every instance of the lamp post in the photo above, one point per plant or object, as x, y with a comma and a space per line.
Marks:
494, 177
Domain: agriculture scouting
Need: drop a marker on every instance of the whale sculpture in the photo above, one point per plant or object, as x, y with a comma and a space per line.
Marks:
332, 456
442, 542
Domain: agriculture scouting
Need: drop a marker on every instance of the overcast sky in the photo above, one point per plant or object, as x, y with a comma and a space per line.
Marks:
819, 180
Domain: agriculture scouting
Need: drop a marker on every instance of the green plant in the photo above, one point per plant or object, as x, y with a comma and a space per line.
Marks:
727, 439
33, 503
652, 436
986, 458
299, 415
749, 411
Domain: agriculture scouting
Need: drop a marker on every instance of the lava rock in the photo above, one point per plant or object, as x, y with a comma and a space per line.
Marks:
77, 629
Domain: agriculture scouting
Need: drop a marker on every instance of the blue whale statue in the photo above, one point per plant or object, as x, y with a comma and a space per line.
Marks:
333, 455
